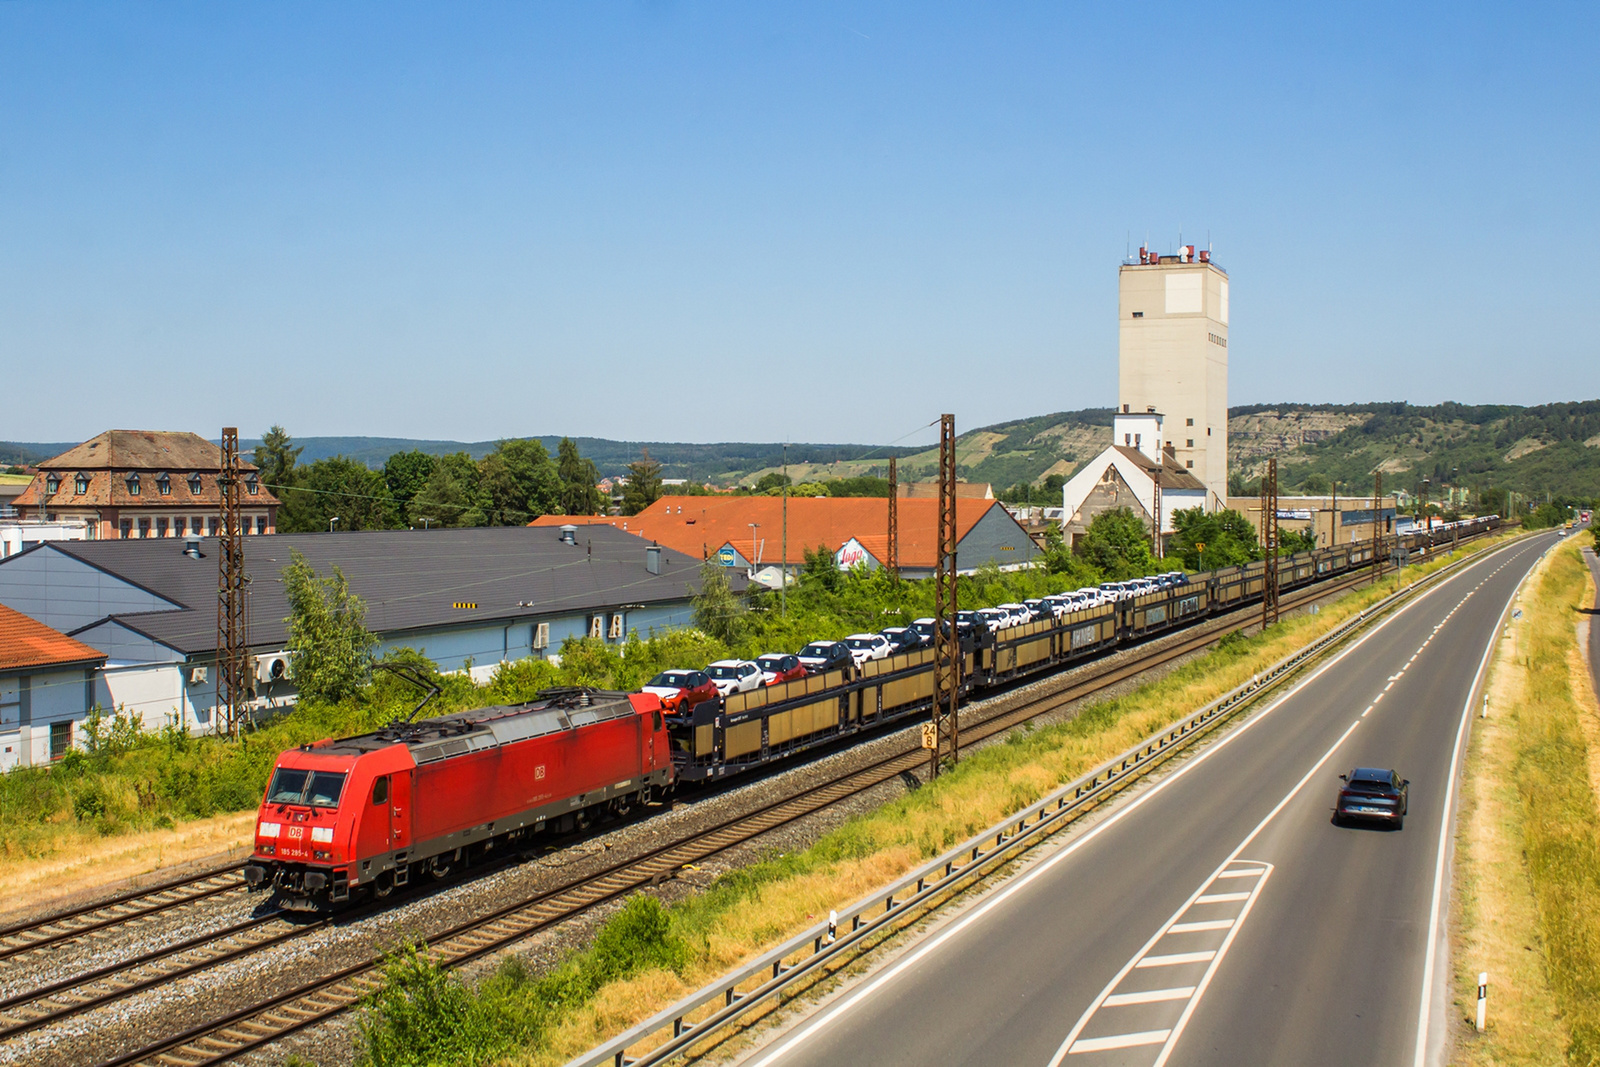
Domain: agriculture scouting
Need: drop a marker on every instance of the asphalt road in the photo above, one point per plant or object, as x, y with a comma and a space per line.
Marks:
1219, 917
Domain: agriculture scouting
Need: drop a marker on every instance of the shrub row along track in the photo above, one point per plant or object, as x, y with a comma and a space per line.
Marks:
274, 1017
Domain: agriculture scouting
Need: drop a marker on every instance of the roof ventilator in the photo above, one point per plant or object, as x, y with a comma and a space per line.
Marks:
191, 547
652, 559
569, 535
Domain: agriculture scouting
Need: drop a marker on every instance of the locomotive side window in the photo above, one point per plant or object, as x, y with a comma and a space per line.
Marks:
380, 790
658, 719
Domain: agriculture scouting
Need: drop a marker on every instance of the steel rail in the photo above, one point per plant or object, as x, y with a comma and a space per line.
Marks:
275, 1017
63, 999
127, 907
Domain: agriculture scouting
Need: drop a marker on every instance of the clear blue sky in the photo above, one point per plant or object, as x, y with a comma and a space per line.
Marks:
806, 222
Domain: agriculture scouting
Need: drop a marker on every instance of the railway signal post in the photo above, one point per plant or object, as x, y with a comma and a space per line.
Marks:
943, 740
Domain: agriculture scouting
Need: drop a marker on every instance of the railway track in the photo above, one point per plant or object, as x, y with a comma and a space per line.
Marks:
21, 938
273, 1017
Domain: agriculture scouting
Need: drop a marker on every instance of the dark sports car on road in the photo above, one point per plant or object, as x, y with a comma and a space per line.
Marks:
1372, 794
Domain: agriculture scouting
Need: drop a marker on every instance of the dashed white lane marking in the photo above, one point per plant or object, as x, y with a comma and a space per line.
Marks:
1103, 1044
1176, 959
1148, 996
1115, 1025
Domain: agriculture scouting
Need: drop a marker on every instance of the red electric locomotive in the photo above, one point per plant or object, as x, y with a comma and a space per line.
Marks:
365, 814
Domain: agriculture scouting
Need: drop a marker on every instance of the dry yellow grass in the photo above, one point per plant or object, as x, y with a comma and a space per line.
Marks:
1496, 921
883, 845
89, 862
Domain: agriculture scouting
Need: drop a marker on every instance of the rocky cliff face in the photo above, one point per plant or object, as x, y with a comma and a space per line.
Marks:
1266, 433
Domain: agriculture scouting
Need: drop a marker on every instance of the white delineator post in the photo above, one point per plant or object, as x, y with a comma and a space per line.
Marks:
1483, 1000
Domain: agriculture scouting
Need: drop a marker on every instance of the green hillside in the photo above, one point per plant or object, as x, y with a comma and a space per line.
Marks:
1551, 448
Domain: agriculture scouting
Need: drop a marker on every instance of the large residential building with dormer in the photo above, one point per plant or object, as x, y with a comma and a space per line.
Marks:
143, 483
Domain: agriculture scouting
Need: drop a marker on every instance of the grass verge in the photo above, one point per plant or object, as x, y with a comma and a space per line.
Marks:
1527, 873
748, 910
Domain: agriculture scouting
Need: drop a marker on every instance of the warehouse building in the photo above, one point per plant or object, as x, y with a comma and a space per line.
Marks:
766, 538
468, 599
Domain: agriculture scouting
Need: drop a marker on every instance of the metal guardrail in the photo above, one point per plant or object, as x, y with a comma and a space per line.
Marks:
778, 968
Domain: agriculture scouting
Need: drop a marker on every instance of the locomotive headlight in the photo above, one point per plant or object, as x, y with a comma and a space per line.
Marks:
322, 833
268, 829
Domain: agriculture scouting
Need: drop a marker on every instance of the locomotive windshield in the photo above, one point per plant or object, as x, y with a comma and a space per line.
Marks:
319, 789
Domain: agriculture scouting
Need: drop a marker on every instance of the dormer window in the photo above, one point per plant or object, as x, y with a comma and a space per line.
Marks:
133, 484
251, 484
164, 484
81, 484
52, 483
194, 484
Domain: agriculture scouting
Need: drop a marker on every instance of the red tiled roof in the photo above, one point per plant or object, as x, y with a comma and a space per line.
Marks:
699, 525
26, 642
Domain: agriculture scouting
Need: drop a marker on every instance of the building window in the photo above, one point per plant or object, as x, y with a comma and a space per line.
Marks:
1188, 422
60, 739
194, 487
252, 484
1208, 431
81, 485
261, 524
51, 484
126, 527
133, 484
1138, 314
163, 484
178, 525
211, 525
195, 525
161, 527
144, 527
1190, 464
1191, 442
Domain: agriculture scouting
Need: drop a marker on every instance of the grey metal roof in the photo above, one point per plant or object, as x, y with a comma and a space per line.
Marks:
409, 579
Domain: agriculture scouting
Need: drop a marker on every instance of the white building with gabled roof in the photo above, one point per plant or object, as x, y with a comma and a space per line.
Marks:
1139, 472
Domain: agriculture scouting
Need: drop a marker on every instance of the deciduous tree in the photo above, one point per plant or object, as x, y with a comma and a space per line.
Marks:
520, 481
1117, 544
405, 473
327, 632
452, 495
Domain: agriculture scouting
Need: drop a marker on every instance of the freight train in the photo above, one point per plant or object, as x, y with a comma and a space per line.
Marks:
363, 815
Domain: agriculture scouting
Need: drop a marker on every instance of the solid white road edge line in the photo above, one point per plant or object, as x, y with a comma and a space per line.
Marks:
832, 1014
1430, 959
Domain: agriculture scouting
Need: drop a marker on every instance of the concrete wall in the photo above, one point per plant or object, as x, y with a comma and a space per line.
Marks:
1174, 356
66, 593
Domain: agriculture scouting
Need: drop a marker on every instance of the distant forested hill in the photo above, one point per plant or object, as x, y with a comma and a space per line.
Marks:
1551, 448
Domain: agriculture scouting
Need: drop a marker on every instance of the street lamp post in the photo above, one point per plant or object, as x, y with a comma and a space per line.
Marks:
331, 522
754, 526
